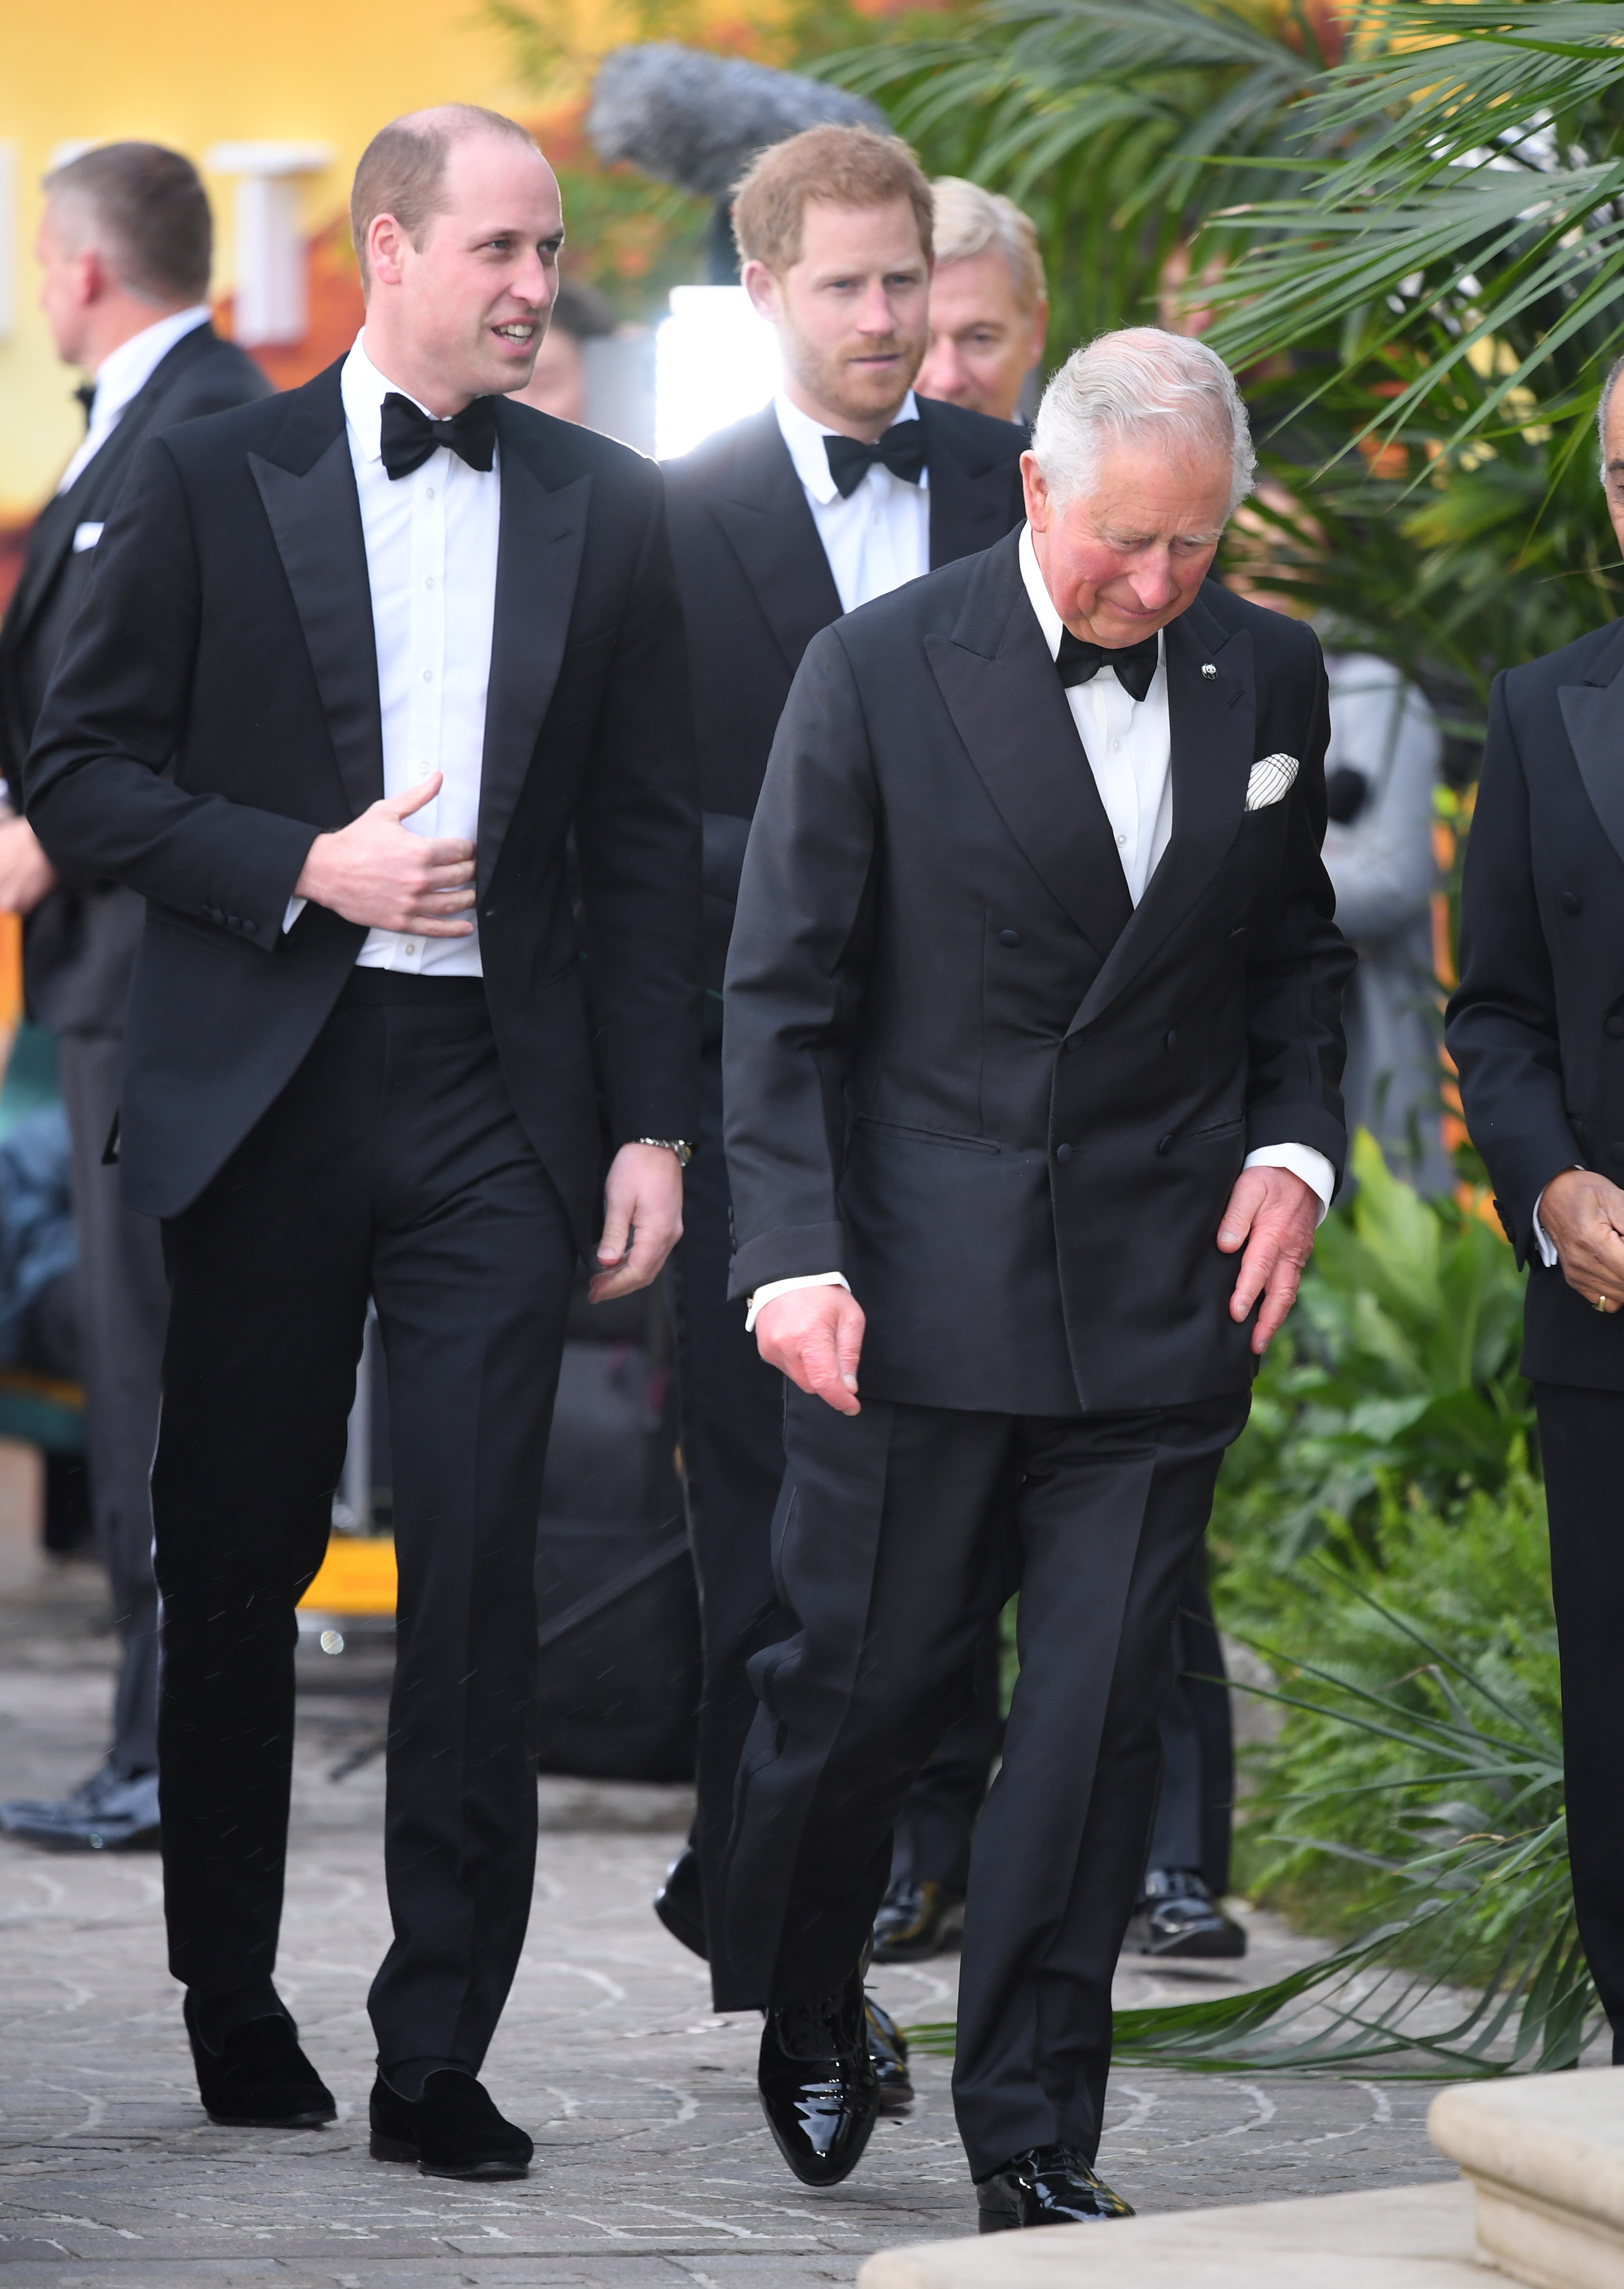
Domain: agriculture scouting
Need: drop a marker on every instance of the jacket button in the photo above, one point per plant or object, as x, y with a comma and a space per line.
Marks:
1074, 1040
1173, 1037
1063, 1153
1615, 1027
1165, 1146
1009, 937
1570, 902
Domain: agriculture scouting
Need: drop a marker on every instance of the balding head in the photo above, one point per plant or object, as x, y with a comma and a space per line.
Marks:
402, 171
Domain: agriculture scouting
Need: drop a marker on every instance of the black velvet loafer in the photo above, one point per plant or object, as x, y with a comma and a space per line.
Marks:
259, 2079
819, 2091
888, 2047
679, 1903
453, 2131
917, 1921
1047, 2185
1177, 1915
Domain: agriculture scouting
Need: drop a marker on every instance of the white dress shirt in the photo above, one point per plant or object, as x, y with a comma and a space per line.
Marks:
123, 374
1128, 744
879, 534
431, 541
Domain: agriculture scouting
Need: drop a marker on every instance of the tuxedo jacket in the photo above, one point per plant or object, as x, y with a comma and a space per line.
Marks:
960, 1066
79, 944
1536, 1025
217, 706
756, 588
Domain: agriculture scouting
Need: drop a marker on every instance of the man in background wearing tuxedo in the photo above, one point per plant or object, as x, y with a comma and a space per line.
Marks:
124, 245
361, 667
1031, 1028
842, 489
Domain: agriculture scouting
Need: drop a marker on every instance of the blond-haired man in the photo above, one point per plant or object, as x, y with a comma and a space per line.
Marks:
842, 489
330, 639
988, 301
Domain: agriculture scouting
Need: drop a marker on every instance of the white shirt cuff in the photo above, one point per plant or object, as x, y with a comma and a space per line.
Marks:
296, 907
1543, 1241
1302, 1161
771, 1288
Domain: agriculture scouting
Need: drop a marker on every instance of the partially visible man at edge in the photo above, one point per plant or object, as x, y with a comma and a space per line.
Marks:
989, 301
302, 714
125, 244
843, 487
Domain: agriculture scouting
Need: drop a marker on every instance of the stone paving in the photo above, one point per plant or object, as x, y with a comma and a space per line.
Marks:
653, 2165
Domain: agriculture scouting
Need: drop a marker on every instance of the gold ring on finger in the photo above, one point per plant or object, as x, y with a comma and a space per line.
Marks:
1600, 1304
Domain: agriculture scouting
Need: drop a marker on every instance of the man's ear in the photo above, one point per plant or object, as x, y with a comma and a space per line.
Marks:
1039, 508
387, 246
765, 291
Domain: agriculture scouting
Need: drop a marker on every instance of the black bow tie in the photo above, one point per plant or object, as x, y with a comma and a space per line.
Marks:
902, 450
86, 395
1135, 664
407, 436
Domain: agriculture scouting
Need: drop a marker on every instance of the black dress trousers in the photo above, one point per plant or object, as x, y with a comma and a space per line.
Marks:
888, 1552
1581, 1446
393, 1164
733, 1466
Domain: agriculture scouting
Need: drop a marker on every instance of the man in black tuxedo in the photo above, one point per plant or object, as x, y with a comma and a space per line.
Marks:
362, 664
845, 486
1536, 1028
1032, 1024
125, 245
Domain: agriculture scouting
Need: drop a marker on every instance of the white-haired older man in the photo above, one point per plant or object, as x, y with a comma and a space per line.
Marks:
989, 304
1031, 1030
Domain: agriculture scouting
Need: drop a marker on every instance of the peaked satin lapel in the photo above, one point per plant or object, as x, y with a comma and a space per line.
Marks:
1596, 733
52, 540
1009, 708
315, 521
969, 510
538, 562
762, 510
1213, 721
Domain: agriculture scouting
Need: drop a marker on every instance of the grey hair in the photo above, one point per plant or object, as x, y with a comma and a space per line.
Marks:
969, 221
1140, 382
1602, 403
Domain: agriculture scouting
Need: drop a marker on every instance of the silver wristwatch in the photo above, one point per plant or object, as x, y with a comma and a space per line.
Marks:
684, 1152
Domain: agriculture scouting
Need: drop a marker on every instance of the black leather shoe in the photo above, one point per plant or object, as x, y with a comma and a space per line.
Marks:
888, 2047
679, 1903
819, 2091
259, 2079
1177, 1915
1047, 2185
917, 1920
104, 1814
453, 2131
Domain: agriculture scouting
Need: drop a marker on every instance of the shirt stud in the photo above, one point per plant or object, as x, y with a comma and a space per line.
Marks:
1209, 671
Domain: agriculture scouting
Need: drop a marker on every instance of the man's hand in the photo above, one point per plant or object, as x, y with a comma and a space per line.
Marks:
815, 1336
1274, 1214
1584, 1215
375, 871
26, 874
642, 1219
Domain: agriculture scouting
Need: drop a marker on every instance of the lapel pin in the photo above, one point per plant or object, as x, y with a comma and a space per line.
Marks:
1209, 671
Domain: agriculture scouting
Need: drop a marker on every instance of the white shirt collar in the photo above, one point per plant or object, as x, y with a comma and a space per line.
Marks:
124, 373
1043, 604
805, 439
363, 390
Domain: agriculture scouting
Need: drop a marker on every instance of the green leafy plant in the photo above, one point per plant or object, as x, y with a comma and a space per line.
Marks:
1398, 1368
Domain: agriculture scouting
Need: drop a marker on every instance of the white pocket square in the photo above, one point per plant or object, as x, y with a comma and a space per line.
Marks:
1271, 779
86, 536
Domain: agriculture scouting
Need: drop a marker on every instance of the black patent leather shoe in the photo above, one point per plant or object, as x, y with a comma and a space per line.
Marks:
259, 2079
1177, 1915
453, 2131
917, 1920
1047, 2185
679, 1903
888, 2047
819, 2091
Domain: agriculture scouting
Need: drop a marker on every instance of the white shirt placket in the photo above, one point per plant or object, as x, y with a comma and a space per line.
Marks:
427, 651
